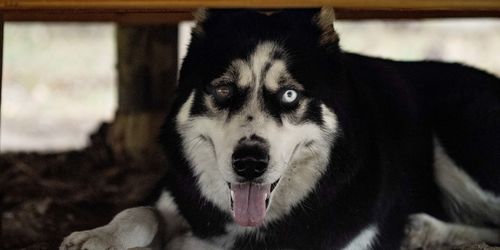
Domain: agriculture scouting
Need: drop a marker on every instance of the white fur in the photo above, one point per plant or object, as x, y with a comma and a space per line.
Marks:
133, 227
276, 70
426, 232
183, 115
190, 242
166, 203
259, 59
364, 240
174, 223
244, 73
139, 227
298, 152
462, 189
466, 202
239, 71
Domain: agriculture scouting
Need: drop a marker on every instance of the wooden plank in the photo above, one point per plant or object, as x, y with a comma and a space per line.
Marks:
175, 16
172, 11
150, 17
188, 4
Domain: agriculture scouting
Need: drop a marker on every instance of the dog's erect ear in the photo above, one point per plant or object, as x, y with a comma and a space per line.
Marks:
200, 15
324, 19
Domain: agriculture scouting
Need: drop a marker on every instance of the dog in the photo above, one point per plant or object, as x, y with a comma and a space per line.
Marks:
278, 139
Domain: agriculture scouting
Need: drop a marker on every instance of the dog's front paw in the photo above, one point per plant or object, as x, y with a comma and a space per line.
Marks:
424, 232
90, 240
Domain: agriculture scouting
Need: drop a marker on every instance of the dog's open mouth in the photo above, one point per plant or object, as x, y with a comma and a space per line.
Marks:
249, 202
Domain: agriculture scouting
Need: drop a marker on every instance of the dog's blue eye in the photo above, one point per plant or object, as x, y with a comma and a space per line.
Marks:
289, 96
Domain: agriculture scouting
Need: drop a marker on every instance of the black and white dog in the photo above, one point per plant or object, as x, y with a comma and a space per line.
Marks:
280, 140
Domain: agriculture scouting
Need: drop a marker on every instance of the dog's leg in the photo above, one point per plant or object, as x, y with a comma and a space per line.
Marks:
137, 227
426, 232
133, 227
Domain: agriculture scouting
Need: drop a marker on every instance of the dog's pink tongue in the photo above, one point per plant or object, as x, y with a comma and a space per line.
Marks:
249, 203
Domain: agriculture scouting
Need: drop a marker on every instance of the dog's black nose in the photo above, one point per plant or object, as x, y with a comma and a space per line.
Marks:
250, 159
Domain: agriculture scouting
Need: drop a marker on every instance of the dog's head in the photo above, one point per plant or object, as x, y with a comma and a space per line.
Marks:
252, 116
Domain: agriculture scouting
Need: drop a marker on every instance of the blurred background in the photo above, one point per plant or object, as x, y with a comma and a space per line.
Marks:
59, 83
59, 80
65, 119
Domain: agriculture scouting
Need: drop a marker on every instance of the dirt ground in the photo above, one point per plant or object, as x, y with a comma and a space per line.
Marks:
44, 197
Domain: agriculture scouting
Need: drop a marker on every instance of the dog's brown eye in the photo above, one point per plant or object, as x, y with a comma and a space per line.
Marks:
222, 92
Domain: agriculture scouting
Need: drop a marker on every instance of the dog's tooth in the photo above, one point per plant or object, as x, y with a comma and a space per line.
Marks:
232, 194
265, 196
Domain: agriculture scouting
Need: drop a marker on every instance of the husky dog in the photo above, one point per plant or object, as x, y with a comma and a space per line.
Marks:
280, 140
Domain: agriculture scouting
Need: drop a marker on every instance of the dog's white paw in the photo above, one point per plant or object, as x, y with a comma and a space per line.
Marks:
424, 232
90, 240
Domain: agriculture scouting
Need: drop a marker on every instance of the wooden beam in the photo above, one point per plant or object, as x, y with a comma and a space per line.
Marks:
189, 4
175, 16
172, 11
132, 17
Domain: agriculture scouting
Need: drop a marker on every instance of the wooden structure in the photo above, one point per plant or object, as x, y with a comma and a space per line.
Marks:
130, 116
175, 10
147, 76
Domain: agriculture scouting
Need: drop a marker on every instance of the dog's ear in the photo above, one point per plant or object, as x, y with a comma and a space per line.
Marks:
324, 20
318, 19
200, 15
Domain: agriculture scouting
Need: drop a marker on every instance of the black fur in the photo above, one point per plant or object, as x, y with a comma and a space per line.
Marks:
388, 111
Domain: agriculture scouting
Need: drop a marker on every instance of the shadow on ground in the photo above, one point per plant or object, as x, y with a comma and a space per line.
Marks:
44, 197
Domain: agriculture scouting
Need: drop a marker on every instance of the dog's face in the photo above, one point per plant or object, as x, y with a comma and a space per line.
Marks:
252, 126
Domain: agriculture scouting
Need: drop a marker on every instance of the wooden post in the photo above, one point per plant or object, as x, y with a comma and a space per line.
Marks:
147, 76
1, 72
